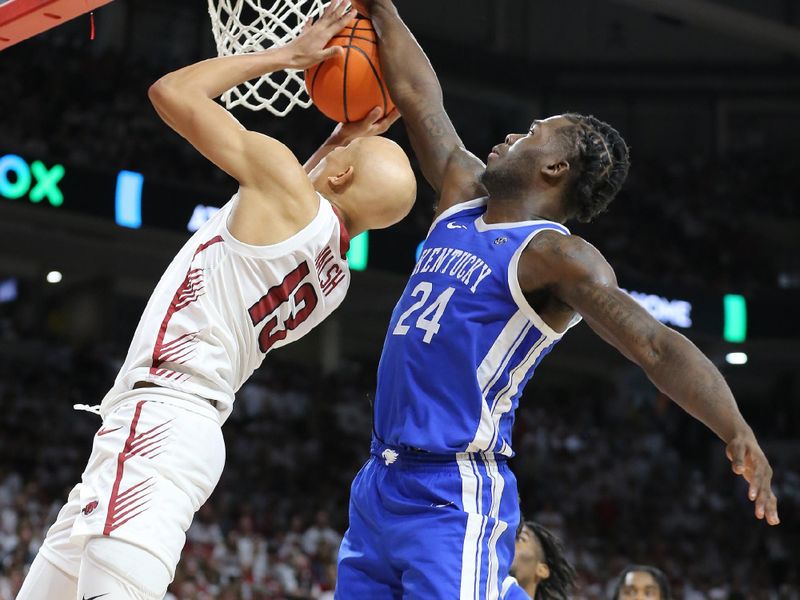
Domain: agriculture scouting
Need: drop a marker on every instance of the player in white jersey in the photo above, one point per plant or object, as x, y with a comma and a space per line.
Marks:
267, 268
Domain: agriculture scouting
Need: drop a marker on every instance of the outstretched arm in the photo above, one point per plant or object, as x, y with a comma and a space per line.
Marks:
265, 168
577, 274
447, 165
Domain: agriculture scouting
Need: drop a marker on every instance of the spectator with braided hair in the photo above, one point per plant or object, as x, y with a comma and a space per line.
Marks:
540, 570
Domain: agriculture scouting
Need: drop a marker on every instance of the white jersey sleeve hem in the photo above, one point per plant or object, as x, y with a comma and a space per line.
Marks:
519, 296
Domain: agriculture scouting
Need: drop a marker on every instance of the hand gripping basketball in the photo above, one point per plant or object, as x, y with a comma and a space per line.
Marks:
349, 85
311, 46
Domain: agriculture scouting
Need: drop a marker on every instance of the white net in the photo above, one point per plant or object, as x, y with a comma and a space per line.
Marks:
242, 26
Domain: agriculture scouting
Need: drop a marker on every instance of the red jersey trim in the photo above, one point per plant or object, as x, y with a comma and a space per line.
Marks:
344, 235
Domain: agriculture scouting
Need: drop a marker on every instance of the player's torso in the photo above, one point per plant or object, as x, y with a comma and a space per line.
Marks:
462, 341
222, 305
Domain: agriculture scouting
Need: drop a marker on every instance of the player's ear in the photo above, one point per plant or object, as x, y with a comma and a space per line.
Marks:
542, 571
552, 171
342, 180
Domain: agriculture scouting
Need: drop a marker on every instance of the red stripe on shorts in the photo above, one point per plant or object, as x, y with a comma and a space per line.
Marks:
121, 458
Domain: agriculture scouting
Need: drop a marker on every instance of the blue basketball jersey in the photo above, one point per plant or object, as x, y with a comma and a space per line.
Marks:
463, 341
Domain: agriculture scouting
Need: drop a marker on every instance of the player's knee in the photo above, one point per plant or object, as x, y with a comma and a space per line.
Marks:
135, 566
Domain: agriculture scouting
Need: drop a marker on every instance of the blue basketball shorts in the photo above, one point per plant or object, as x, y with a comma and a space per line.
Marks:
428, 527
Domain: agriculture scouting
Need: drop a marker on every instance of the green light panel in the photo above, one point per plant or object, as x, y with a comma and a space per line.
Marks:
358, 254
735, 328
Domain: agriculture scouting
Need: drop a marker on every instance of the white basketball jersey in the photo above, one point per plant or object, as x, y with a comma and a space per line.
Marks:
222, 305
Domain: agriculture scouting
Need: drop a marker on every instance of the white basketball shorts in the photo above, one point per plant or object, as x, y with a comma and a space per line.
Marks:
153, 464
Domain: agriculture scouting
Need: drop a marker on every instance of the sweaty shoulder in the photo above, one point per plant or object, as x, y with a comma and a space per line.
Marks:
555, 261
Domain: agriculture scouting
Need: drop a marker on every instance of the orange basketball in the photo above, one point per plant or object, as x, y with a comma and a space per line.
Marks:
346, 87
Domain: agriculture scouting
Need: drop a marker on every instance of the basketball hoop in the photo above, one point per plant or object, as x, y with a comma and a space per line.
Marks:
242, 26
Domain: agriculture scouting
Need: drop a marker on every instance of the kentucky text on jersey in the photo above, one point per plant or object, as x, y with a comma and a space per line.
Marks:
463, 265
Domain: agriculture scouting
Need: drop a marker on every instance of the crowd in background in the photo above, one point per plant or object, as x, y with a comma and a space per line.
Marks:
620, 474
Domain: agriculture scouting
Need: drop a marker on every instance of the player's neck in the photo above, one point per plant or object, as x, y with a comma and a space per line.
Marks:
352, 228
514, 210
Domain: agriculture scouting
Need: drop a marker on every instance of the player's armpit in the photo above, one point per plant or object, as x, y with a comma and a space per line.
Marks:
581, 278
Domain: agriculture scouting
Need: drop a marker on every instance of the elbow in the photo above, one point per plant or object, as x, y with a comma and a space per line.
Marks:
654, 349
159, 93
163, 93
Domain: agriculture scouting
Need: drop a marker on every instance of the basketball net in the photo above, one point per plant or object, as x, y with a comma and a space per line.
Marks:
243, 26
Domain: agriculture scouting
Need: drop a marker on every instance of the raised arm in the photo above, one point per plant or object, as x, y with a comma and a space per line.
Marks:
577, 274
272, 180
447, 165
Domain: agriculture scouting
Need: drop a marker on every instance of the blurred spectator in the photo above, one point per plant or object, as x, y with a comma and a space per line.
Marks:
622, 481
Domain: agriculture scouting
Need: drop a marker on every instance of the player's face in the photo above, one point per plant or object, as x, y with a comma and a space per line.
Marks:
527, 554
639, 585
522, 154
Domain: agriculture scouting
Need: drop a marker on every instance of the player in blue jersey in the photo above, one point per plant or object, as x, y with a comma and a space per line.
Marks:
540, 570
499, 281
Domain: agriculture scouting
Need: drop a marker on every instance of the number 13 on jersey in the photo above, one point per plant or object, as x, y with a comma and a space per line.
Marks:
428, 320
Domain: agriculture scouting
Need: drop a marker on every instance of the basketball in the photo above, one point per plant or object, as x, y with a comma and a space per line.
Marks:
346, 87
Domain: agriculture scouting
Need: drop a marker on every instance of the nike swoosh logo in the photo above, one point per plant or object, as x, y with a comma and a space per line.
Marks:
452, 225
94, 597
99, 433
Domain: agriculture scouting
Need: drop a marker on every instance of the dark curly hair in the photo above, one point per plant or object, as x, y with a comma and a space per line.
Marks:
562, 574
602, 158
657, 574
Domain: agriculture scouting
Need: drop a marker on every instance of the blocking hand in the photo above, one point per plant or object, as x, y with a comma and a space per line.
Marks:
748, 460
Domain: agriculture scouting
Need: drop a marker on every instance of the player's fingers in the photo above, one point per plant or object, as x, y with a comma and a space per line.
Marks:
348, 14
331, 13
772, 509
391, 118
736, 454
374, 116
331, 52
338, 10
757, 481
761, 490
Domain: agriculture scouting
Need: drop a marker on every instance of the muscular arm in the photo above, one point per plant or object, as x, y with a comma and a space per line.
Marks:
413, 85
577, 274
185, 101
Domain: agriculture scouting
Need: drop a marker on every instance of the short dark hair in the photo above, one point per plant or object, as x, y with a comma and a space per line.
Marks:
657, 574
562, 574
602, 158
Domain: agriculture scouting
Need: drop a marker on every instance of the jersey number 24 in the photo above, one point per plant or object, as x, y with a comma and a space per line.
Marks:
428, 321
